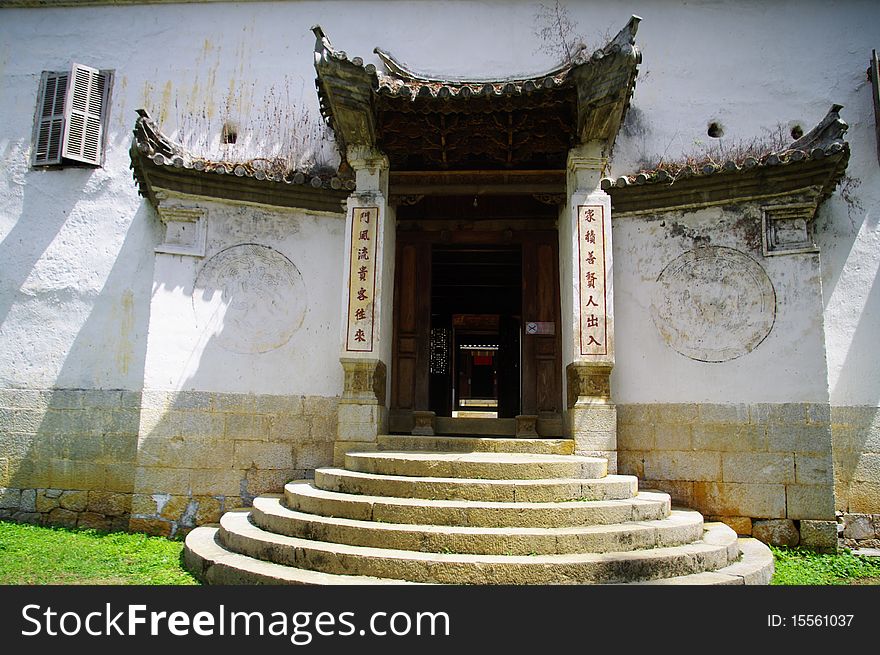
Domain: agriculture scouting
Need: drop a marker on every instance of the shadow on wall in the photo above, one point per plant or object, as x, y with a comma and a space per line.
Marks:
69, 446
202, 453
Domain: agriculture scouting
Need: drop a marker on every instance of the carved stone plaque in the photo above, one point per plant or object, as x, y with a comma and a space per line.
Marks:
714, 304
249, 298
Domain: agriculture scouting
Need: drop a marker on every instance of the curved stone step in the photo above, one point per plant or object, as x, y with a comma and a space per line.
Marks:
211, 563
680, 527
718, 549
401, 442
303, 496
754, 567
491, 466
610, 487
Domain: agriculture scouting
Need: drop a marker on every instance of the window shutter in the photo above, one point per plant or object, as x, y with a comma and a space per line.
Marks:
50, 119
83, 129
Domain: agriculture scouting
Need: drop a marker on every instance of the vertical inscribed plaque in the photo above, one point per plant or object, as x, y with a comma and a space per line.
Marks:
362, 279
591, 280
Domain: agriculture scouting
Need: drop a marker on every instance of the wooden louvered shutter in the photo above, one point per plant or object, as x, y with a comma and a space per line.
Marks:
84, 126
50, 119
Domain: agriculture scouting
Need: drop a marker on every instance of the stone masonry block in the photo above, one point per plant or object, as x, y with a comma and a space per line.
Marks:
119, 477
673, 436
28, 500
730, 437
10, 498
45, 502
153, 399
810, 501
93, 521
735, 414
130, 400
278, 405
757, 467
74, 500
737, 499
629, 462
236, 403
156, 527
313, 455
357, 413
289, 428
682, 465
246, 426
324, 428
4, 471
635, 436
109, 503
594, 419
262, 482
592, 441
25, 398
119, 448
788, 413
101, 398
197, 424
124, 421
68, 474
209, 510
776, 532
858, 526
868, 468
813, 469
819, 535
635, 413
200, 400
145, 504
166, 480
320, 406
216, 483
679, 413
174, 507
79, 447
818, 413
66, 398
845, 463
6, 419
262, 455
863, 497
63, 517
27, 420
799, 438
61, 421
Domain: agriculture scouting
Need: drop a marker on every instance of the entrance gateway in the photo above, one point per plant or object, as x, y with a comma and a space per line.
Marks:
479, 247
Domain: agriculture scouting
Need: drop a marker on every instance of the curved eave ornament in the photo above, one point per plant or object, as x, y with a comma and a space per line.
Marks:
348, 88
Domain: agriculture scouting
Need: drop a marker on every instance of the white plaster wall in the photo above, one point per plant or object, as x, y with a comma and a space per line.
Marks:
186, 352
788, 365
76, 242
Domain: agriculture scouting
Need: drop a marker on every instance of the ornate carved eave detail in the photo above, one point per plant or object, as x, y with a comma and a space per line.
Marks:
158, 163
423, 122
812, 167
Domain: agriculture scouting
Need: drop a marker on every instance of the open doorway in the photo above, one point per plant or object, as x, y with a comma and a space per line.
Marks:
476, 319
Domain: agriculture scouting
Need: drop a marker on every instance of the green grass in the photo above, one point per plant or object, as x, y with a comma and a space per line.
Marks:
795, 566
40, 555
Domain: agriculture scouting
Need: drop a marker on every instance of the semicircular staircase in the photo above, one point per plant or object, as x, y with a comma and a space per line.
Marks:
459, 510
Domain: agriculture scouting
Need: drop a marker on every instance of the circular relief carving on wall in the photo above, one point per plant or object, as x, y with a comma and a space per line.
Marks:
249, 298
714, 304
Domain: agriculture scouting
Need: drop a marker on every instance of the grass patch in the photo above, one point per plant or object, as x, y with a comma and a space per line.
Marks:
32, 554
796, 566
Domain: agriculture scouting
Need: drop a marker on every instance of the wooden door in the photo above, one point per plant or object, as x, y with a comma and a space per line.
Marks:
542, 360
412, 332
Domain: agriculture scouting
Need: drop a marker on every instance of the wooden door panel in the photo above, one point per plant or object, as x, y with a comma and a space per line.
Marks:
411, 346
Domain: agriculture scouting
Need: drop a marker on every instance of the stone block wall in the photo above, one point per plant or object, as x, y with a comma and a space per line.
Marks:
856, 437
68, 456
157, 462
201, 453
744, 464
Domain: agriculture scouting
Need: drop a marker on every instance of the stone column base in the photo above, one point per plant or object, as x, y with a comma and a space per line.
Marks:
362, 412
423, 423
526, 426
592, 417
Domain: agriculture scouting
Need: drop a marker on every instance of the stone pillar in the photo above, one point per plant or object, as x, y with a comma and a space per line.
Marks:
367, 304
587, 292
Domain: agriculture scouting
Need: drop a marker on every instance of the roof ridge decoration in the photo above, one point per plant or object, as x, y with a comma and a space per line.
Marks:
816, 160
350, 90
159, 162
